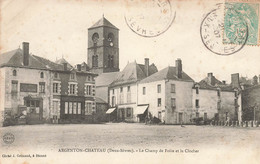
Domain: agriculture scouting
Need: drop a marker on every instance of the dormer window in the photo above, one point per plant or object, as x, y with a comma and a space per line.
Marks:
197, 90
42, 75
14, 72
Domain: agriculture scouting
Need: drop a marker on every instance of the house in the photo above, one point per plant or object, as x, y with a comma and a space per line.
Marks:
42, 90
248, 98
123, 91
168, 94
213, 99
25, 85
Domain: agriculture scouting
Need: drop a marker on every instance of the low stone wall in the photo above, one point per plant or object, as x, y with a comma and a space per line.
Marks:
235, 123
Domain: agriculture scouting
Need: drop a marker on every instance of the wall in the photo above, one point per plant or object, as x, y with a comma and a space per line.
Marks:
102, 92
2, 93
151, 97
30, 76
251, 98
124, 104
208, 103
183, 97
228, 106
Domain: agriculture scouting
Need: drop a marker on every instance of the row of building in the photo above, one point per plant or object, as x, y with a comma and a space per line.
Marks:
41, 91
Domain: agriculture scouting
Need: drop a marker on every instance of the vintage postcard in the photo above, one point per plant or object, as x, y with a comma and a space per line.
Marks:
129, 81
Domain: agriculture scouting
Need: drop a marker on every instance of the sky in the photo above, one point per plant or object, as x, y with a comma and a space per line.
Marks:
56, 28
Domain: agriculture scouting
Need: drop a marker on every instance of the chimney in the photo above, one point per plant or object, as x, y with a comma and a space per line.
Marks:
211, 79
146, 66
79, 67
235, 80
65, 66
178, 66
25, 53
224, 82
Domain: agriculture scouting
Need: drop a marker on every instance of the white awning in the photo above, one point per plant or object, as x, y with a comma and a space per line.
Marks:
110, 110
140, 109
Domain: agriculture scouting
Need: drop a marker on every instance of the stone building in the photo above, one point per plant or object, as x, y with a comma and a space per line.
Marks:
168, 94
213, 99
103, 47
123, 91
42, 90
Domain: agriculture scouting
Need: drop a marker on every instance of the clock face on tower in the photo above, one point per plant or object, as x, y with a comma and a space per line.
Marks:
110, 39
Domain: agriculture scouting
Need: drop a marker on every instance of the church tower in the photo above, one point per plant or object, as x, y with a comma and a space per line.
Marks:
103, 51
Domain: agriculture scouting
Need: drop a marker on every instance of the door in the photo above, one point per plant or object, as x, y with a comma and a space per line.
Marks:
35, 110
180, 117
205, 116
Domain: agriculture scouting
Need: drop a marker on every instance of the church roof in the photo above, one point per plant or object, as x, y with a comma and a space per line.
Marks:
166, 73
103, 22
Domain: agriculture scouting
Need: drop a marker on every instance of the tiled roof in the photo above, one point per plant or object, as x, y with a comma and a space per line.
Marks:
166, 73
106, 79
205, 84
132, 72
62, 61
15, 59
152, 68
103, 22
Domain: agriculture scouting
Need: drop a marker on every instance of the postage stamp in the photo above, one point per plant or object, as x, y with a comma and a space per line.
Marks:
248, 10
213, 35
149, 18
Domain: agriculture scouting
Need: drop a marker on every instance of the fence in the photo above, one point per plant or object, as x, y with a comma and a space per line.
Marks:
235, 123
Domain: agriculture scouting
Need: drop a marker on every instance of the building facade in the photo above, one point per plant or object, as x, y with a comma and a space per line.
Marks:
168, 95
215, 100
38, 90
123, 91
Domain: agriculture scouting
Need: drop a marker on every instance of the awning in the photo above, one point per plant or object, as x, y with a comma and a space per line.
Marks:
140, 109
110, 110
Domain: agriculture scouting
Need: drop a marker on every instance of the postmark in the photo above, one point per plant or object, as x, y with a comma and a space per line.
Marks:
8, 138
249, 11
149, 18
213, 35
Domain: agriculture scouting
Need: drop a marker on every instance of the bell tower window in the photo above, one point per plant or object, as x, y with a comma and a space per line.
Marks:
94, 61
110, 61
95, 38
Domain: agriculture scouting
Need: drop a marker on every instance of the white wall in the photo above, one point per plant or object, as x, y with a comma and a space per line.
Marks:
30, 76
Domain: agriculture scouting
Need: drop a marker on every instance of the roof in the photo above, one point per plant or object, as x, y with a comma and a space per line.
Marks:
167, 73
132, 72
103, 22
14, 58
252, 87
100, 101
106, 79
205, 84
62, 61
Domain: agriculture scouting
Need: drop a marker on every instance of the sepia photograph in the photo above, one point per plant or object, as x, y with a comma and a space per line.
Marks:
129, 81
